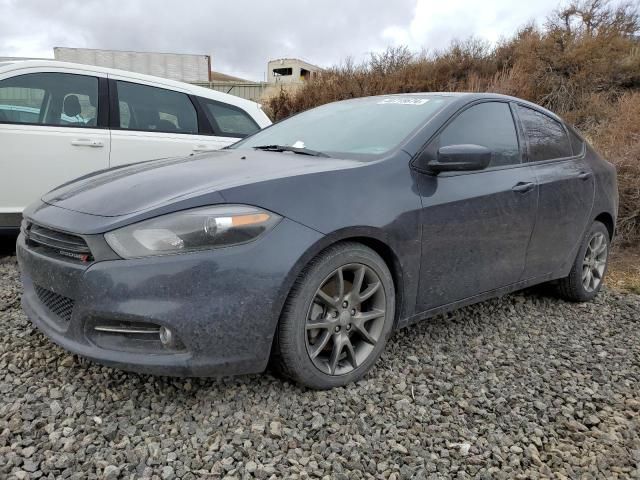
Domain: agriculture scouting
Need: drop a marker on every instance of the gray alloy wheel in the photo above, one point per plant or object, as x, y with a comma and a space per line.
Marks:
589, 268
345, 319
595, 262
337, 318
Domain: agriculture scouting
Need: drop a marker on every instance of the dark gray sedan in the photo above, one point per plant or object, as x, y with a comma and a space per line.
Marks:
308, 243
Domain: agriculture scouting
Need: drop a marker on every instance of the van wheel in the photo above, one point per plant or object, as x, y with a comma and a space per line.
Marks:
589, 268
337, 319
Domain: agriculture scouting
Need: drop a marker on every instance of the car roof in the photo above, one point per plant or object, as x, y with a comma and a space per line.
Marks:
462, 95
464, 98
193, 89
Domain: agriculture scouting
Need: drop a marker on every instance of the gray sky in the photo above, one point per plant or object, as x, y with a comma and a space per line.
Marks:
242, 35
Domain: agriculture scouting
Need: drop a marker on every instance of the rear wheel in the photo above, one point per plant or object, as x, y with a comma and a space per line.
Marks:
337, 318
590, 266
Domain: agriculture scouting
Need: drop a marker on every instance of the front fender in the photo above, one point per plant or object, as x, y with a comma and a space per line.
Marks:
403, 261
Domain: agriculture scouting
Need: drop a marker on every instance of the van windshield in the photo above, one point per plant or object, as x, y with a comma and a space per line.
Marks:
355, 128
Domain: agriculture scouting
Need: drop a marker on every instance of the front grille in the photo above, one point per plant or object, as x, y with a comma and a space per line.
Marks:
57, 243
61, 306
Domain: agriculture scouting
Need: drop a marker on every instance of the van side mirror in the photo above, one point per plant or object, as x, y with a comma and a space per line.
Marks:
456, 158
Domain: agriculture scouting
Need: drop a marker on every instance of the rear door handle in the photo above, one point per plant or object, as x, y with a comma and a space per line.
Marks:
584, 175
87, 142
523, 187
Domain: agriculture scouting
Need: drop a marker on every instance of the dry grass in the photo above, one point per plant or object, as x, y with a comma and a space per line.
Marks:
584, 65
618, 139
624, 270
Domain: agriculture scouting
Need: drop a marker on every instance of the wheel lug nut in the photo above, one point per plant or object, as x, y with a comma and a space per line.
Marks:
353, 312
349, 327
337, 328
345, 304
335, 314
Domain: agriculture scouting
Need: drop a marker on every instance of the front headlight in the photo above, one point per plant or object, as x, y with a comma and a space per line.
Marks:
191, 230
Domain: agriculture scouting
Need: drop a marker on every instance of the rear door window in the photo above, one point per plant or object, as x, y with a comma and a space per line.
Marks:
153, 109
229, 120
59, 99
546, 137
488, 124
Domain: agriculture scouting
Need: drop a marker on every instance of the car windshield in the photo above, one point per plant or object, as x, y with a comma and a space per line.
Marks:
354, 128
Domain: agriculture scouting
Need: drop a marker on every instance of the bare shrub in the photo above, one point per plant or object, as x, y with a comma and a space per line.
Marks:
618, 139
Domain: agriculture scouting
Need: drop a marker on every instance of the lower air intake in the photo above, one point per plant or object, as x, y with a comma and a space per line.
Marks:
61, 306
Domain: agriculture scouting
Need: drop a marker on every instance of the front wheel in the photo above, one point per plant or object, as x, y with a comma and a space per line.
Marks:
587, 274
337, 318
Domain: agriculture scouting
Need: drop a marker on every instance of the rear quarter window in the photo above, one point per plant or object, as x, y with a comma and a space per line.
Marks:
577, 143
229, 120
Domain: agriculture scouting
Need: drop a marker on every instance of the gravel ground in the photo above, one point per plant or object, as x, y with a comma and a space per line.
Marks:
522, 387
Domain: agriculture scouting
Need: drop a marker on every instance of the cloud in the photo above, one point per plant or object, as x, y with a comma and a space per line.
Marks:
435, 23
243, 35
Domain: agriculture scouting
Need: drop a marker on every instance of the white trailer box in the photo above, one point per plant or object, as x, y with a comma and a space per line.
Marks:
174, 66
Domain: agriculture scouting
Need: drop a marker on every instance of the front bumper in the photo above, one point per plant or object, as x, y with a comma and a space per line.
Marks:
222, 304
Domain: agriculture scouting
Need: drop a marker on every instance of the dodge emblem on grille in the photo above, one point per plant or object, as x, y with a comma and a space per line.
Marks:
83, 257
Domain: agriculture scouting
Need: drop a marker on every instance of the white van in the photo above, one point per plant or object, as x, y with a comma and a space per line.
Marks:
59, 121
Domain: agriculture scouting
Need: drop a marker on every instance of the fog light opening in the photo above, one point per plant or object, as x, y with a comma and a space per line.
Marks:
166, 337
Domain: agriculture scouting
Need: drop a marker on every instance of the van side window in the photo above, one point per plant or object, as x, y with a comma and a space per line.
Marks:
153, 109
228, 120
488, 124
57, 99
546, 137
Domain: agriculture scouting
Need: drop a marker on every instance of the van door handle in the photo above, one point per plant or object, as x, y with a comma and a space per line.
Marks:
523, 187
204, 148
86, 142
584, 175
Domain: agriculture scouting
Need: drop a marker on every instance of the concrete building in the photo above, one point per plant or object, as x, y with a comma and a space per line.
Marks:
15, 59
290, 70
283, 73
174, 66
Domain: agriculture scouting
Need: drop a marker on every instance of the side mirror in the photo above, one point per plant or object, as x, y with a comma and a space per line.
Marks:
457, 158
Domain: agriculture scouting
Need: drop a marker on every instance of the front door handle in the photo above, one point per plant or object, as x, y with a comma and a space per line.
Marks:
523, 187
204, 148
87, 142
584, 175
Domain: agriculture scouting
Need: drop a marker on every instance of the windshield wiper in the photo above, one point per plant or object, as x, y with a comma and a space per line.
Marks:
287, 148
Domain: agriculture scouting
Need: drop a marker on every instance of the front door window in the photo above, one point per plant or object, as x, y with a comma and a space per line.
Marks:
56, 99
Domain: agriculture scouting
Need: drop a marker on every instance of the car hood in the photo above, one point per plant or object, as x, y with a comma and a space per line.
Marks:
143, 186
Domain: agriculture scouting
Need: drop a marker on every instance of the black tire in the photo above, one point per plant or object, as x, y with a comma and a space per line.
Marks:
572, 287
292, 349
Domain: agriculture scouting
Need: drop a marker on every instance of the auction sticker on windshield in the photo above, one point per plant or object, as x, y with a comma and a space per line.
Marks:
403, 101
